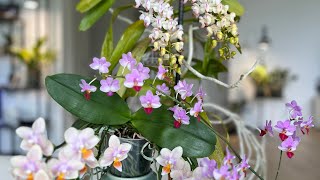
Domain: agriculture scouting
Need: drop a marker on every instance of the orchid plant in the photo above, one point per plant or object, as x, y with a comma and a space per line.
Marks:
171, 115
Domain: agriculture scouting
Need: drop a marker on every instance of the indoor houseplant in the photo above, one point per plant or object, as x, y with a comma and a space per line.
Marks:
171, 121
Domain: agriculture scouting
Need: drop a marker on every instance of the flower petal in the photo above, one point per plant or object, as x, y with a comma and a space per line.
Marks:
24, 132
41, 175
71, 135
114, 141
35, 153
177, 152
39, 125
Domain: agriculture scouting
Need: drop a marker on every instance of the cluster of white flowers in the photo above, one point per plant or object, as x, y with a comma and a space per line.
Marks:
214, 16
166, 31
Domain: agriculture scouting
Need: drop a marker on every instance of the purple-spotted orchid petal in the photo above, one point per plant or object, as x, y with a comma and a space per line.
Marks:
36, 135
87, 89
115, 153
149, 102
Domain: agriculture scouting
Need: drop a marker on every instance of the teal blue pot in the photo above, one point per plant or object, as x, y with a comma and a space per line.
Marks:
135, 165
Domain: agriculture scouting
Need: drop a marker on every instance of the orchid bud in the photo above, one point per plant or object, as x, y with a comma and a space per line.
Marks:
178, 46
233, 53
166, 57
156, 46
214, 43
162, 51
173, 60
237, 40
178, 71
221, 52
180, 59
160, 61
219, 35
175, 66
232, 40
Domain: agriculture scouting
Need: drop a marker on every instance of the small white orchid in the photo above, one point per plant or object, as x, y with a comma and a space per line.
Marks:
170, 160
182, 171
36, 135
30, 166
81, 143
66, 167
115, 153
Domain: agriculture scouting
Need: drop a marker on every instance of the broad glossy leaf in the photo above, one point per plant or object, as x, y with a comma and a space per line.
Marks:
127, 41
234, 6
196, 139
86, 5
100, 109
137, 52
94, 14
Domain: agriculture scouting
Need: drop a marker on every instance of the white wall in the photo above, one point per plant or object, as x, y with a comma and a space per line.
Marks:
294, 29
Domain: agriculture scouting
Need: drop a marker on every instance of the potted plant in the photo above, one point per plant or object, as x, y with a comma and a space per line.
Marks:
33, 58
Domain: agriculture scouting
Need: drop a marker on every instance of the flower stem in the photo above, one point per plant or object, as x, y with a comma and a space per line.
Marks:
279, 165
232, 149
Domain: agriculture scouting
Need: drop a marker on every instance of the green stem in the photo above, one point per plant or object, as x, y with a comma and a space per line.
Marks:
279, 165
232, 149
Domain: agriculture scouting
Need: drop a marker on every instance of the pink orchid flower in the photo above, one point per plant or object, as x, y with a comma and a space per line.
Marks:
161, 72
36, 135
285, 129
180, 116
115, 153
127, 61
181, 172
289, 145
184, 89
29, 167
67, 166
81, 143
149, 102
196, 110
109, 86
162, 90
100, 64
134, 80
170, 160
307, 125
267, 129
87, 89
144, 71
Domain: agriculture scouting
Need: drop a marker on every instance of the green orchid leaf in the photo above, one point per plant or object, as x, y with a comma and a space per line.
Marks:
100, 109
107, 46
94, 14
234, 6
127, 41
85, 5
137, 53
196, 139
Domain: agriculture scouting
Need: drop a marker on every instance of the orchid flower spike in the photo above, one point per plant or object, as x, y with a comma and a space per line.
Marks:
149, 102
115, 153
36, 135
82, 143
87, 89
267, 129
29, 167
170, 160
